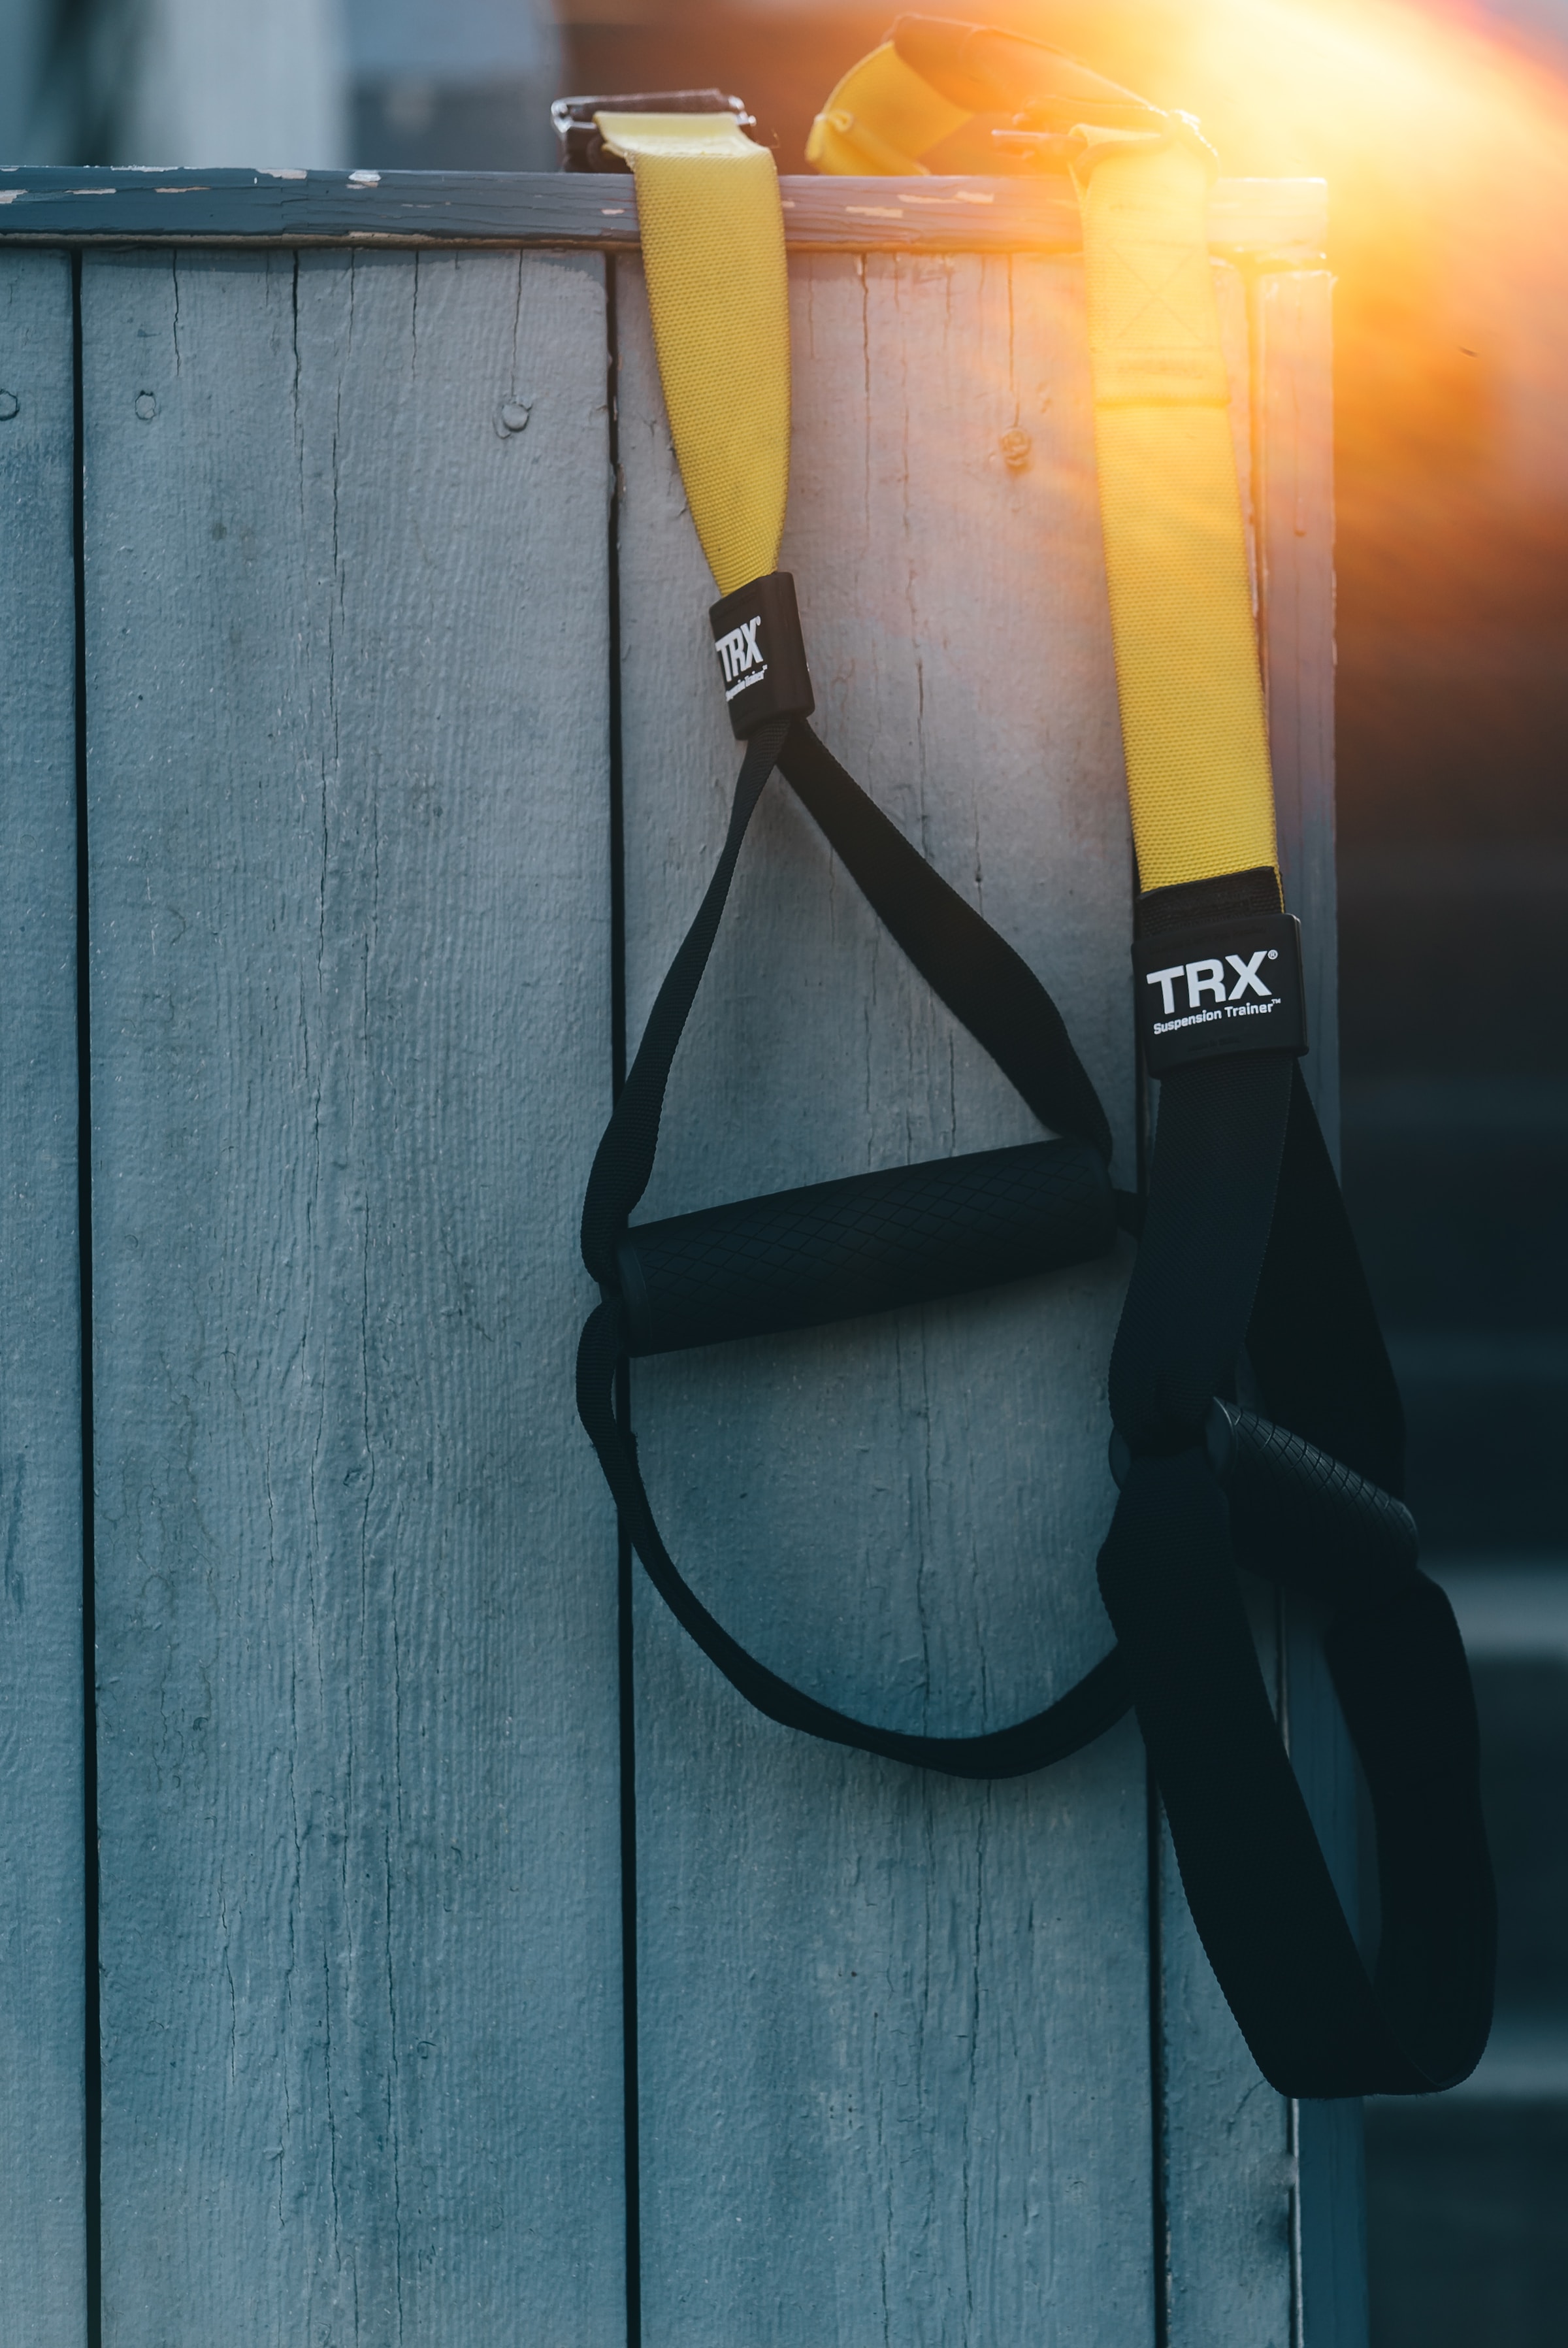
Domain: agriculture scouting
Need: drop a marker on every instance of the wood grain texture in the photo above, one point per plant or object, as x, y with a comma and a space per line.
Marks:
1293, 313
1293, 331
894, 2028
349, 906
1227, 2144
1230, 2170
1267, 2233
42, 1985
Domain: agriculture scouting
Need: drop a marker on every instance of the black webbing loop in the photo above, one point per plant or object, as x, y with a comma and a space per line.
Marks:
1254, 1876
997, 996
1218, 1263
1100, 1698
989, 988
623, 1162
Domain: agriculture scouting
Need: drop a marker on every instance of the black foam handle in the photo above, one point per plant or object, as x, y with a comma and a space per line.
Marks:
1308, 1521
796, 1258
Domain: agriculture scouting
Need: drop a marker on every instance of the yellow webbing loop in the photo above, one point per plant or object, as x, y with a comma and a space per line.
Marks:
879, 119
1192, 725
713, 250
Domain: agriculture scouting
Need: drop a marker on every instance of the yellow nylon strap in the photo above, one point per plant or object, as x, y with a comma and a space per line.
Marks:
1193, 723
713, 250
879, 120
1192, 726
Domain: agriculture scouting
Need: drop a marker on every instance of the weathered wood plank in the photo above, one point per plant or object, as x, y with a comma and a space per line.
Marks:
1231, 2168
985, 215
894, 2028
42, 1873
350, 902
1293, 311
1266, 2239
1226, 2137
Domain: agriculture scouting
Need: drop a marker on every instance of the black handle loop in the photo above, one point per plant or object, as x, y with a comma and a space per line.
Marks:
1098, 1700
985, 983
1256, 1878
623, 1162
993, 991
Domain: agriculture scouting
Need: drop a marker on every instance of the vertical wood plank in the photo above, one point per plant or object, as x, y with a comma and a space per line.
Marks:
1293, 363
1229, 2140
350, 898
1226, 2136
42, 1984
1294, 326
1267, 2224
894, 2029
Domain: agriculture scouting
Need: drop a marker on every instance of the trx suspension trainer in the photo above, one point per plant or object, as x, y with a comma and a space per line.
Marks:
1244, 1251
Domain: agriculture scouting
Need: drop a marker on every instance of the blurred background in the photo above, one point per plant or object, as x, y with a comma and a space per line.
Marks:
1443, 131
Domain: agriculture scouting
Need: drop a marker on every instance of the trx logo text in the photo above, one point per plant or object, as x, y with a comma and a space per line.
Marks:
1206, 982
741, 656
1232, 985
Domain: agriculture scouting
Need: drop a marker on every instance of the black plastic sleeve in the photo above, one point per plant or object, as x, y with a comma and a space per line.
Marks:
761, 654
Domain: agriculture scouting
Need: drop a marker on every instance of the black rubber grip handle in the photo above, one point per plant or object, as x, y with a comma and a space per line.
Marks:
1306, 1520
836, 1250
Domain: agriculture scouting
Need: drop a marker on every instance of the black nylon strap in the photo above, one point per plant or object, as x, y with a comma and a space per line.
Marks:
985, 985
1313, 1339
997, 998
1254, 1876
1100, 1698
1217, 1262
989, 987
623, 1162
1206, 1222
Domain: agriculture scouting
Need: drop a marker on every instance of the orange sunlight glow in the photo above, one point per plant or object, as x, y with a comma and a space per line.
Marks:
1446, 150
1445, 145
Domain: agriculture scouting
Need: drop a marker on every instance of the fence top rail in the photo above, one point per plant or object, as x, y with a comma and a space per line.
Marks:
1276, 218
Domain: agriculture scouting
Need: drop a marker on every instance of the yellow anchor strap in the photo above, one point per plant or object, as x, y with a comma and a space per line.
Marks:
1193, 723
713, 251
1192, 726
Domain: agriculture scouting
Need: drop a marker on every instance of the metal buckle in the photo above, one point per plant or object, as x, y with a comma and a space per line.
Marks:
583, 148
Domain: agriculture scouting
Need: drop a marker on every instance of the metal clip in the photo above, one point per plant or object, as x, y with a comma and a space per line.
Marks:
583, 147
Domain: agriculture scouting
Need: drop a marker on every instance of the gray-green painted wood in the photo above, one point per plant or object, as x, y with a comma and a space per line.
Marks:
1293, 333
1230, 2156
42, 1984
98, 206
349, 791
348, 646
894, 2028
1293, 310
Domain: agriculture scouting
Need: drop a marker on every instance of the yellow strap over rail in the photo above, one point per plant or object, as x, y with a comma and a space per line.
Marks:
713, 250
1192, 725
879, 120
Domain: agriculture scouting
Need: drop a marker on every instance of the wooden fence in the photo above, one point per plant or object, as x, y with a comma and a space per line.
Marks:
469, 1965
